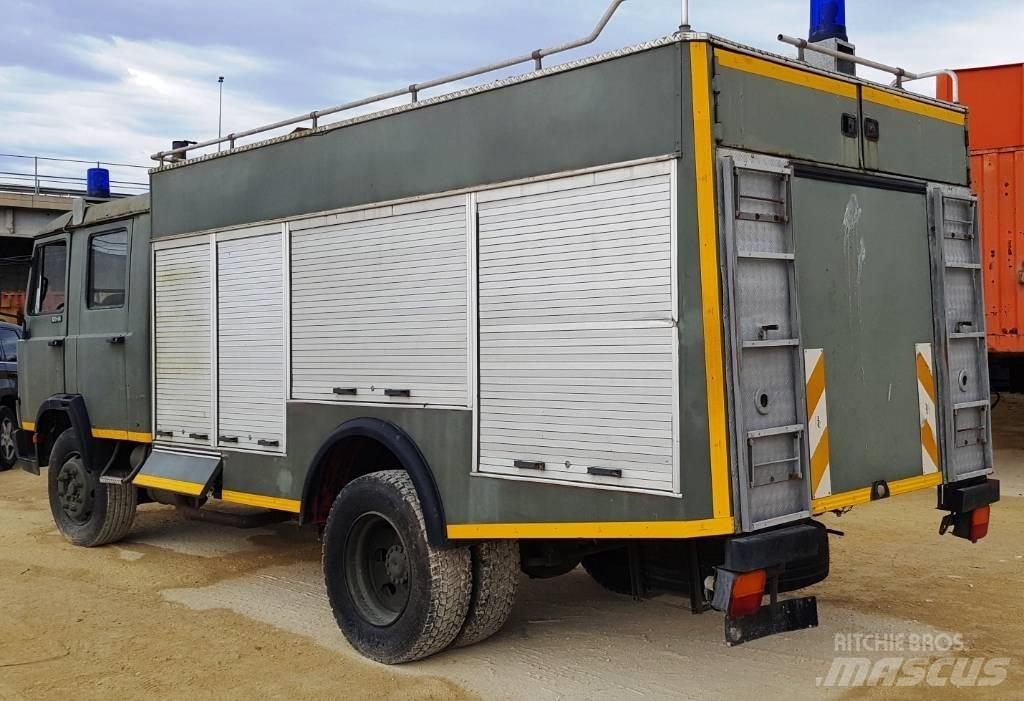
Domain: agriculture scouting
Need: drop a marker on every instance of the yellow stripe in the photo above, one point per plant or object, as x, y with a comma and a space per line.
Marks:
599, 529
190, 488
924, 376
708, 244
816, 384
28, 426
898, 102
863, 496
119, 435
929, 444
806, 79
275, 503
819, 461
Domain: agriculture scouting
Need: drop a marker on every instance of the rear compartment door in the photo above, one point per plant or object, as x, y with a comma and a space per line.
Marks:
864, 275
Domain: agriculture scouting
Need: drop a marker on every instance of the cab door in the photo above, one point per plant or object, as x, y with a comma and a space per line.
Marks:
41, 356
98, 332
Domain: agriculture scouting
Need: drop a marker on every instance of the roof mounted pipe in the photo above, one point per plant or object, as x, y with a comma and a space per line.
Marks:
902, 74
537, 57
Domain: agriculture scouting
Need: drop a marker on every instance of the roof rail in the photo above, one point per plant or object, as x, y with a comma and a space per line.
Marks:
902, 75
536, 56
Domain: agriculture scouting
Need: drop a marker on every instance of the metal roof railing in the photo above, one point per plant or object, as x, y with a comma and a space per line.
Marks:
46, 175
902, 74
413, 90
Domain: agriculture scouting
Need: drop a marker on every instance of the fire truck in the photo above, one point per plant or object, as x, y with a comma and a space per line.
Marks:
650, 311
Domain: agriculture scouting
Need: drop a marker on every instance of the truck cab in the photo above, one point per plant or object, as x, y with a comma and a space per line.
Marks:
84, 358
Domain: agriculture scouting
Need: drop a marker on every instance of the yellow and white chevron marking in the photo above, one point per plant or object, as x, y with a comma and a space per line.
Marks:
817, 423
926, 398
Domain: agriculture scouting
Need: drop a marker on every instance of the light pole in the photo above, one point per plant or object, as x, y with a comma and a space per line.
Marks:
220, 107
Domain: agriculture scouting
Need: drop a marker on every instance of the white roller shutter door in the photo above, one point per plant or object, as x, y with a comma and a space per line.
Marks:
380, 305
250, 341
184, 404
578, 376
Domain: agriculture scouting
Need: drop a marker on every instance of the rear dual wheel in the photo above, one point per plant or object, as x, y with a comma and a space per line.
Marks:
395, 596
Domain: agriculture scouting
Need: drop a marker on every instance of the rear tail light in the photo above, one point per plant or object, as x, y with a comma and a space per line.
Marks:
979, 523
747, 592
972, 525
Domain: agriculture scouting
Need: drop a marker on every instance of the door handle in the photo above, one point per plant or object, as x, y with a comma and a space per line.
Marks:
55, 342
116, 340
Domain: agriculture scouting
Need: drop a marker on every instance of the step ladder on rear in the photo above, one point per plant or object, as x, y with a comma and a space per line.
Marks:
767, 353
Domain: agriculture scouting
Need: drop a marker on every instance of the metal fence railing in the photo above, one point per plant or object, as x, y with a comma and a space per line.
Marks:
44, 175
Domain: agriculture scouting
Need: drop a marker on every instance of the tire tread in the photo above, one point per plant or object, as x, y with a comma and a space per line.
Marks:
495, 585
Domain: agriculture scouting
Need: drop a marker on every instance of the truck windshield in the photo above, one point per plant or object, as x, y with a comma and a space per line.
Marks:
48, 278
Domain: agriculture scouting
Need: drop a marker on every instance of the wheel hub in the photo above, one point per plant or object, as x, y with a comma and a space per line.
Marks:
75, 490
7, 440
397, 565
377, 569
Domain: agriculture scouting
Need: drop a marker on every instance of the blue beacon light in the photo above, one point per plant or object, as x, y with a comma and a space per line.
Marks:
828, 20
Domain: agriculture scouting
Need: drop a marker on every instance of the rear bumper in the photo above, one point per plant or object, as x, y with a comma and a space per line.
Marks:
962, 497
769, 549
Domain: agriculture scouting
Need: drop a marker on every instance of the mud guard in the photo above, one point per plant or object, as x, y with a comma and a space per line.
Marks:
779, 617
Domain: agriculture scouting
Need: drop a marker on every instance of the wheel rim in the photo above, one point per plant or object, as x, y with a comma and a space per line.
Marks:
377, 569
75, 490
7, 440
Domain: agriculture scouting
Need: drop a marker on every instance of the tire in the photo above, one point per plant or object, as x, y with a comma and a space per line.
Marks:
8, 424
610, 569
495, 585
395, 597
803, 573
86, 512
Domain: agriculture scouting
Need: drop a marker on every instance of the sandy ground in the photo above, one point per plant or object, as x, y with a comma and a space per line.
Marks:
183, 610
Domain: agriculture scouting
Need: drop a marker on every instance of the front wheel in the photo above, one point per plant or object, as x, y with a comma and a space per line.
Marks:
396, 597
87, 512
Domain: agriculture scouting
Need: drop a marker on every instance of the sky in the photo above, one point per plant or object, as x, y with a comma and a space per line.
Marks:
118, 80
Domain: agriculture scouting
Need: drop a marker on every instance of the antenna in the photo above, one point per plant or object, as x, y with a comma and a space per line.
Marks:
220, 107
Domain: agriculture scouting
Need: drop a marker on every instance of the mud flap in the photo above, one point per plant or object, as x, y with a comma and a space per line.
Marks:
779, 617
193, 474
26, 451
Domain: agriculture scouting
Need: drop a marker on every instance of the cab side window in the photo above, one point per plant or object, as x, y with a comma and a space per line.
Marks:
108, 270
49, 278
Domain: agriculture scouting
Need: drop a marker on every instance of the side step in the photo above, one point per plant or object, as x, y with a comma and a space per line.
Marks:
224, 518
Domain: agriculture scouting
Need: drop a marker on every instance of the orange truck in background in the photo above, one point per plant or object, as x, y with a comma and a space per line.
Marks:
12, 307
995, 98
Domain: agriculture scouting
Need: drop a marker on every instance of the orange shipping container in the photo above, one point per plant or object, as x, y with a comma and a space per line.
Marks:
998, 179
995, 96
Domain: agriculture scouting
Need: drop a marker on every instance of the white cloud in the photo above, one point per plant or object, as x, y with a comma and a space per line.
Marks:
124, 95
153, 93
